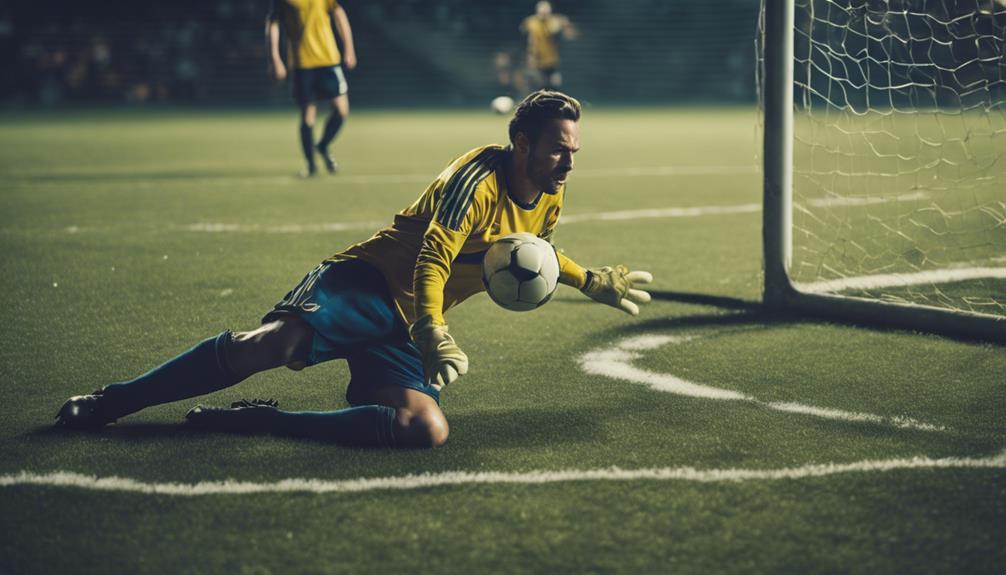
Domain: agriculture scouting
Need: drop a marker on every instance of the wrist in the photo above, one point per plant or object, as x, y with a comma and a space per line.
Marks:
571, 273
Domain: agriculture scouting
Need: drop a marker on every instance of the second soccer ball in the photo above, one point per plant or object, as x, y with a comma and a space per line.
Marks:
502, 105
520, 271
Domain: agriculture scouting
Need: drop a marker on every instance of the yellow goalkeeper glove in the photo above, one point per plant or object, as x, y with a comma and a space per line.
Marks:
443, 360
615, 286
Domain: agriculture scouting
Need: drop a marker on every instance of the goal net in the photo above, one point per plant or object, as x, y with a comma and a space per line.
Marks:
896, 155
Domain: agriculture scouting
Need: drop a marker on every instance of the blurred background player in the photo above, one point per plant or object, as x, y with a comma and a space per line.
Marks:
543, 29
314, 56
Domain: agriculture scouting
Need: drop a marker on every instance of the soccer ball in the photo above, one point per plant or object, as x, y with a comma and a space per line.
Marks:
502, 105
520, 271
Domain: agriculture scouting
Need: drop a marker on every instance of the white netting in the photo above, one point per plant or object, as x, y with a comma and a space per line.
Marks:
899, 167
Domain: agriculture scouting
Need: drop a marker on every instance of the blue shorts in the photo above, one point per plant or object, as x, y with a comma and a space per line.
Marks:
350, 308
310, 84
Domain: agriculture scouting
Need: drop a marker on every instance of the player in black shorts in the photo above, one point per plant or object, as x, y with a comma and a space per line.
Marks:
316, 61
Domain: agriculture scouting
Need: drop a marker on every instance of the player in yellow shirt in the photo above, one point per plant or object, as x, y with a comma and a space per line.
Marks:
380, 304
314, 56
543, 30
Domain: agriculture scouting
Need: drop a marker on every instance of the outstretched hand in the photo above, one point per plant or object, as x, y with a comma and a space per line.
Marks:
616, 286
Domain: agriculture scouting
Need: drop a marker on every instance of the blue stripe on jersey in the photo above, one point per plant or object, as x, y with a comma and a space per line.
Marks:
459, 191
455, 187
455, 199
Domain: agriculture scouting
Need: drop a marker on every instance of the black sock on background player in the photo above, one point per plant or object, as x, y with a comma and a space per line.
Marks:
332, 127
307, 146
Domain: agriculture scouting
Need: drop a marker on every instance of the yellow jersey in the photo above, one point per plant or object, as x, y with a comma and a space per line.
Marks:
542, 47
431, 256
308, 27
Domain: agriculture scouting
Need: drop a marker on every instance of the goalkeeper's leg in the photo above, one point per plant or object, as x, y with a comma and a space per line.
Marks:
213, 364
397, 417
392, 405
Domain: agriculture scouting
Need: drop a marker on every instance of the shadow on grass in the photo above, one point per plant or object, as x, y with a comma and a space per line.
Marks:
755, 313
530, 427
755, 318
706, 299
127, 431
512, 428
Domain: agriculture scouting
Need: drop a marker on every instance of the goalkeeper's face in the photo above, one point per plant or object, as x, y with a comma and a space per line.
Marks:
550, 158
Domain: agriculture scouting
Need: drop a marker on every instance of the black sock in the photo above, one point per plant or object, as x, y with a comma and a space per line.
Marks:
364, 426
307, 144
198, 371
332, 127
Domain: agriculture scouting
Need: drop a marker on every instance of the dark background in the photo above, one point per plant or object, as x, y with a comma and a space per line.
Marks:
411, 52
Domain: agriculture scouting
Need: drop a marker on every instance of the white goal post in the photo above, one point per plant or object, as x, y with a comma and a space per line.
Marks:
885, 162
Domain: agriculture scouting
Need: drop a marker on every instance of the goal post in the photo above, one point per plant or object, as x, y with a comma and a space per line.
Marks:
884, 160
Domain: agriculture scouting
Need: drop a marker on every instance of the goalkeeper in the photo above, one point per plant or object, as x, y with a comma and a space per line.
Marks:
356, 305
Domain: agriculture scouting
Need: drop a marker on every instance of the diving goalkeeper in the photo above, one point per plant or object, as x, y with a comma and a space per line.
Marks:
380, 304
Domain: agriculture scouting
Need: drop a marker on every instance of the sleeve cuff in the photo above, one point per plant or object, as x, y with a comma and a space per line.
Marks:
570, 273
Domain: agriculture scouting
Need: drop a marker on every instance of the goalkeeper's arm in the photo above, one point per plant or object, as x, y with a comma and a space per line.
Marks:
443, 360
615, 286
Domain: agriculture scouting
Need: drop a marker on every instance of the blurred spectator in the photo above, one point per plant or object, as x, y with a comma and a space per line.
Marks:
419, 52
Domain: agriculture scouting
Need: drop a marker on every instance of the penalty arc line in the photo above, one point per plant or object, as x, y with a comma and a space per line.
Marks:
616, 362
65, 479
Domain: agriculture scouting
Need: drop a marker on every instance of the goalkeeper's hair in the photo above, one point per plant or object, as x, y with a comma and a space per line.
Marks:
538, 108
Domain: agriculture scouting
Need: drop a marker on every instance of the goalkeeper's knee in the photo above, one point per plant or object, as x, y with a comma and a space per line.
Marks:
426, 428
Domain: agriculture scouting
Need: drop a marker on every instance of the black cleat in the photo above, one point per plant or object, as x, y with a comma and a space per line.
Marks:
243, 416
308, 172
84, 412
329, 160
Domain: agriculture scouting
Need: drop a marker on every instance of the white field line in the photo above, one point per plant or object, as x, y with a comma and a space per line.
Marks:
284, 228
621, 215
627, 172
838, 201
616, 363
903, 280
210, 227
676, 212
667, 171
427, 177
66, 479
685, 212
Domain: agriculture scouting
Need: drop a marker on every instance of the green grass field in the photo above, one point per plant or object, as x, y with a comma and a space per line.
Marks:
126, 237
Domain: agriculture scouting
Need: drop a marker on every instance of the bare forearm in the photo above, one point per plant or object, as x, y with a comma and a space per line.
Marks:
345, 32
272, 40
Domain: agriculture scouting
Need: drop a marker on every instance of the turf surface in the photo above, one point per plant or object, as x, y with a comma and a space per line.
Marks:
128, 236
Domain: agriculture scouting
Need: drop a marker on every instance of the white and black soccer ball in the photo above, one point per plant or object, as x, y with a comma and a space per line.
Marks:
520, 271
502, 105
